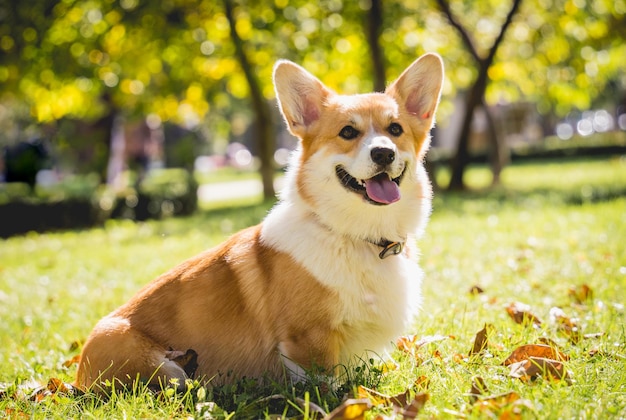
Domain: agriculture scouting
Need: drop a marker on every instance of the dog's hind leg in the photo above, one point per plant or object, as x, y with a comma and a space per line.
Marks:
118, 354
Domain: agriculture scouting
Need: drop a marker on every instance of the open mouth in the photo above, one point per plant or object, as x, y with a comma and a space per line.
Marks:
379, 190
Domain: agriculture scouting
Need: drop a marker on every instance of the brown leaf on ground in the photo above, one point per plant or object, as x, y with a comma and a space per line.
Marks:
55, 386
547, 341
406, 343
411, 410
596, 352
521, 314
410, 343
533, 367
389, 366
566, 324
481, 341
351, 409
478, 388
400, 403
534, 350
422, 383
476, 290
377, 398
73, 361
11, 413
499, 400
581, 294
75, 345
592, 336
458, 358
503, 407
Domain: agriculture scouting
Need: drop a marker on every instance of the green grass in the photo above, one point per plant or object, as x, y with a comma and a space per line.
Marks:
549, 227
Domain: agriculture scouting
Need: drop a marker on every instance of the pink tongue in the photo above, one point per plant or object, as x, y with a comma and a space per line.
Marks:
382, 190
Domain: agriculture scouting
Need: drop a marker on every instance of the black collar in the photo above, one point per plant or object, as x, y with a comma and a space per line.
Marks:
388, 247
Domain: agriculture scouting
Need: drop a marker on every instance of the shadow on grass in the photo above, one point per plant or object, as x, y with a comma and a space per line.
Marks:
493, 199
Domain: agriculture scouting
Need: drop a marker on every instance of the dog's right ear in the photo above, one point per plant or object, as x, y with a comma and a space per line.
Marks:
300, 96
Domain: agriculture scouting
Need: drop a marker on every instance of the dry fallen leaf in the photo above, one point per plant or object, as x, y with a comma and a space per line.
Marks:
499, 400
566, 324
350, 409
376, 398
73, 361
422, 383
478, 388
596, 352
581, 294
476, 290
389, 366
411, 410
547, 341
75, 345
55, 386
410, 343
406, 343
521, 314
481, 341
11, 413
503, 406
399, 403
458, 358
532, 367
534, 350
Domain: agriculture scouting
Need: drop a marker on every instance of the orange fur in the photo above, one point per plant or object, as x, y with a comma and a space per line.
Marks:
228, 305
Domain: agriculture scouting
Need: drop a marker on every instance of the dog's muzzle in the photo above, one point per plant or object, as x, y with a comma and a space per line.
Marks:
380, 189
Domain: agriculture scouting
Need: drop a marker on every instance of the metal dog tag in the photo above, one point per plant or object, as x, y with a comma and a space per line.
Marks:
392, 248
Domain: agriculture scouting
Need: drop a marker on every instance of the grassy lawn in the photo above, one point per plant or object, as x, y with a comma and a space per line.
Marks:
551, 228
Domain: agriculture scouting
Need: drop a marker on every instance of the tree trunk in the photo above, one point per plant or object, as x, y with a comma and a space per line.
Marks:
374, 29
263, 117
477, 92
462, 157
497, 155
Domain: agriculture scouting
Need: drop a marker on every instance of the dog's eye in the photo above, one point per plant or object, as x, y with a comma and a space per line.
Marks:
349, 133
395, 129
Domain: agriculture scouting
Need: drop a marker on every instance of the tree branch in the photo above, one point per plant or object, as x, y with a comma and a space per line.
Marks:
503, 29
263, 125
467, 40
465, 37
374, 28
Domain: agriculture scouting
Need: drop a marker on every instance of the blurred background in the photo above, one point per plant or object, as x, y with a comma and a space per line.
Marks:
146, 109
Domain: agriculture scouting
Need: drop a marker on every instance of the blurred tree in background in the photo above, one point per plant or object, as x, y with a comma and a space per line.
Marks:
178, 61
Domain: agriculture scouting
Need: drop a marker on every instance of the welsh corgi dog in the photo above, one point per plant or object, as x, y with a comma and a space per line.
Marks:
328, 278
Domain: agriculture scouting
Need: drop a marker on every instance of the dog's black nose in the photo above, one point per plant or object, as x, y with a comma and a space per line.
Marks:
382, 155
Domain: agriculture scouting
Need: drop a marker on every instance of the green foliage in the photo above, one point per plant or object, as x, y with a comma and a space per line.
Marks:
551, 227
80, 201
160, 193
176, 59
70, 204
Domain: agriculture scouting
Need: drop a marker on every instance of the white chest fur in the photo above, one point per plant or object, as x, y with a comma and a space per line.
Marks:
376, 298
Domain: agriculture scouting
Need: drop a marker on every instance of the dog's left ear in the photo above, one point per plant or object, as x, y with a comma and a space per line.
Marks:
418, 88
